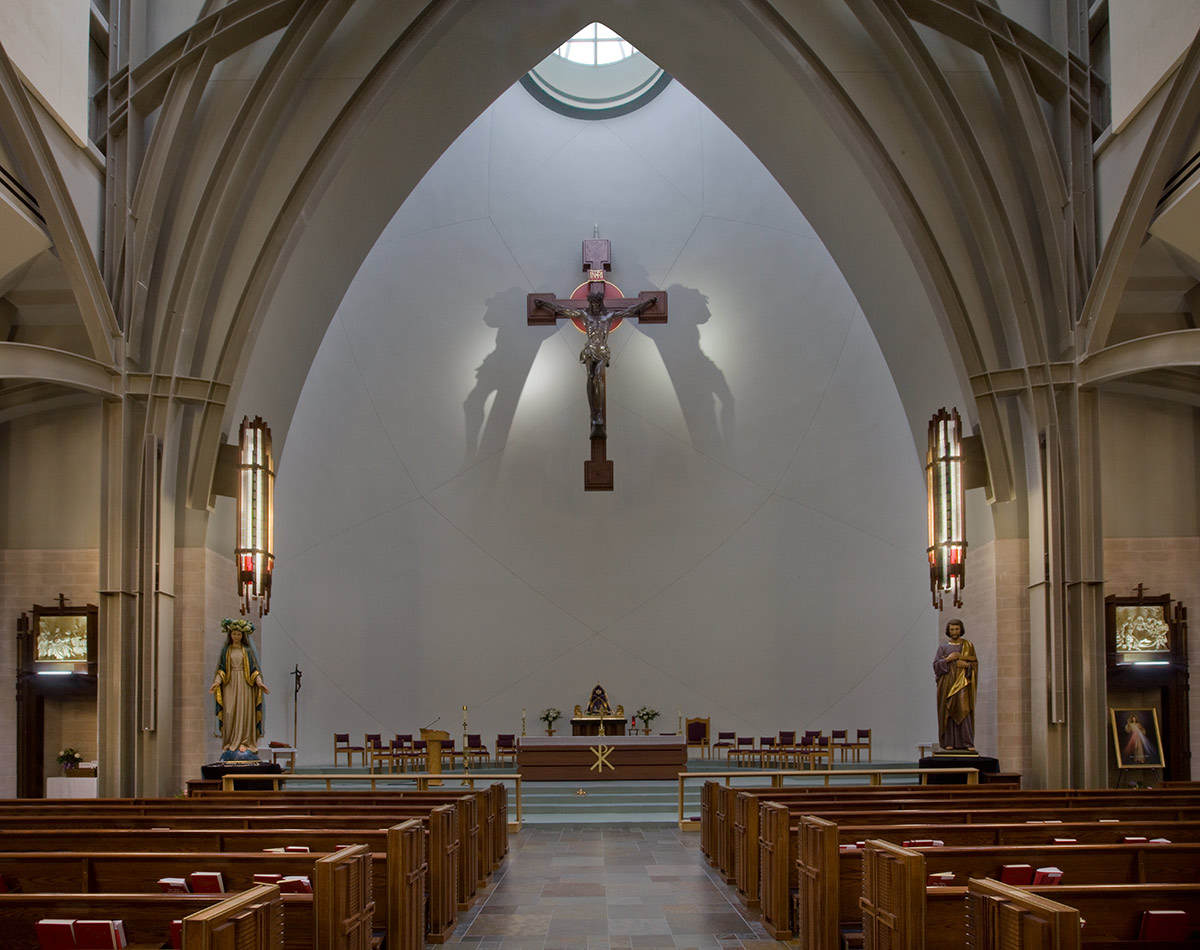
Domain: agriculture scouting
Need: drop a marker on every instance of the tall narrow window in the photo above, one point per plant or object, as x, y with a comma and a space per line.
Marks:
944, 483
255, 553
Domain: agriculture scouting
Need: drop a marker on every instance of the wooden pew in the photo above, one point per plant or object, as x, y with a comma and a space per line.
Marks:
1002, 917
436, 834
738, 859
826, 898
482, 843
340, 911
148, 917
898, 908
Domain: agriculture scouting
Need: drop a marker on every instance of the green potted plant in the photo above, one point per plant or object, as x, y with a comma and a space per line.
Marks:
550, 716
643, 717
69, 759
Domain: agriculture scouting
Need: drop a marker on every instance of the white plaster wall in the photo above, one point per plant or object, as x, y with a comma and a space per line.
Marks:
48, 43
1148, 39
762, 559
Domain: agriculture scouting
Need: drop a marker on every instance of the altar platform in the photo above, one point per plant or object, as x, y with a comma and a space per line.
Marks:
600, 758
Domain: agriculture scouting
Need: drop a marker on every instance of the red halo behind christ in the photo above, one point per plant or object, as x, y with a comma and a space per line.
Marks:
580, 293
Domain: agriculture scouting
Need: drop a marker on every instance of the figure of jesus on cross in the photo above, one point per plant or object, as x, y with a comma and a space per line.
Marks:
596, 355
602, 315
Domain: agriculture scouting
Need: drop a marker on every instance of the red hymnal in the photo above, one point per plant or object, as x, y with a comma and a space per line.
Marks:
207, 882
1047, 876
1066, 840
1164, 925
296, 849
267, 878
1016, 874
296, 884
924, 843
54, 934
176, 935
274, 744
95, 934
173, 885
940, 879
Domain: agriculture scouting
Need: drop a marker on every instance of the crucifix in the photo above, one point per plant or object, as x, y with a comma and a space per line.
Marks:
604, 311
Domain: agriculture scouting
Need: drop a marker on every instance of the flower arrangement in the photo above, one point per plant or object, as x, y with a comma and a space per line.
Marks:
69, 758
237, 623
550, 716
645, 716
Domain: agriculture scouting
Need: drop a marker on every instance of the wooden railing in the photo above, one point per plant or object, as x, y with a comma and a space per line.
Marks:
803, 776
422, 781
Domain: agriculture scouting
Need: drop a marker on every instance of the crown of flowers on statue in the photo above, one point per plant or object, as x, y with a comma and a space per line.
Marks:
237, 623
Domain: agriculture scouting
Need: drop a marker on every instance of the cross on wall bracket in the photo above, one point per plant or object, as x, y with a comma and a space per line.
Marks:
603, 308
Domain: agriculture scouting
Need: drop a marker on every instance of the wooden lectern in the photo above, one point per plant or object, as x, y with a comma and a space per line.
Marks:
433, 751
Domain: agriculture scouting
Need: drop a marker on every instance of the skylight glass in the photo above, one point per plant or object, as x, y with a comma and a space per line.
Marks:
595, 45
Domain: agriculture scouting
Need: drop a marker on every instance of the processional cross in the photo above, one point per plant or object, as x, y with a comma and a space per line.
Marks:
605, 309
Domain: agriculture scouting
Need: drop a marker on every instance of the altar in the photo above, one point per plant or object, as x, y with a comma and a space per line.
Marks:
600, 758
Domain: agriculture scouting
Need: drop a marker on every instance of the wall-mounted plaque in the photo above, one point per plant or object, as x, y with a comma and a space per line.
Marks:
61, 639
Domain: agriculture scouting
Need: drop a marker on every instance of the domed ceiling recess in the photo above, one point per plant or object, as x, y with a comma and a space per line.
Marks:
595, 75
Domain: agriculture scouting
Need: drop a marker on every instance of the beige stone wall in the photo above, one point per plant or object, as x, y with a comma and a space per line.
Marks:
205, 592
996, 614
1165, 566
38, 576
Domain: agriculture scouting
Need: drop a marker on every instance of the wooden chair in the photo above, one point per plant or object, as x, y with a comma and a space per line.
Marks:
863, 741
475, 749
341, 743
449, 753
806, 749
841, 742
698, 735
726, 741
372, 746
744, 748
392, 754
506, 746
766, 751
785, 745
417, 754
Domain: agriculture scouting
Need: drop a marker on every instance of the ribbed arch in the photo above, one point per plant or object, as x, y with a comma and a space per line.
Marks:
902, 253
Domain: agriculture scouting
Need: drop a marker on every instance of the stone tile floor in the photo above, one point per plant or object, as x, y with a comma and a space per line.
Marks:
609, 887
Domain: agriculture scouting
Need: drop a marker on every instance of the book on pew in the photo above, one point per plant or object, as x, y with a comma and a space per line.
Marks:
100, 934
1160, 841
295, 884
296, 849
1164, 925
207, 882
174, 885
924, 843
56, 934
1050, 875
1016, 874
1066, 841
940, 879
267, 878
1135, 839
176, 935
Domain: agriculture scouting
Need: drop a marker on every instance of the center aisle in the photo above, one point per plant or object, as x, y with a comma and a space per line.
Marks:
609, 887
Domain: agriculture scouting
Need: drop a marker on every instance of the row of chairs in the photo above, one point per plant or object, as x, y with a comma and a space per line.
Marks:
404, 750
786, 751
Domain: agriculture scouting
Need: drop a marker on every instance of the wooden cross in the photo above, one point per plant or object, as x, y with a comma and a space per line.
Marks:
597, 308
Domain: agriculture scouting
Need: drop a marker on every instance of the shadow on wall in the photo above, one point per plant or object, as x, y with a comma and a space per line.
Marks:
704, 396
503, 372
